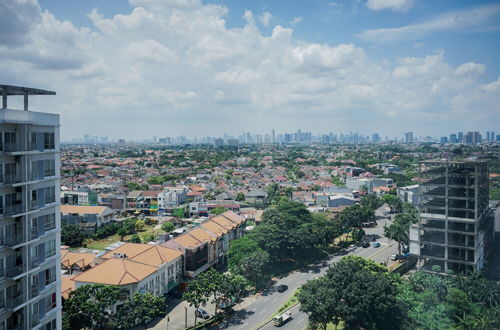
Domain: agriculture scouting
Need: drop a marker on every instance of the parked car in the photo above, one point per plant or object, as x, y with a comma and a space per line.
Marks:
394, 257
282, 288
202, 313
352, 247
376, 244
365, 244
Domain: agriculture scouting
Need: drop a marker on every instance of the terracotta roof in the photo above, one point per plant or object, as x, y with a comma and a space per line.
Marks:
79, 209
67, 285
224, 222
117, 271
233, 217
153, 255
82, 260
214, 227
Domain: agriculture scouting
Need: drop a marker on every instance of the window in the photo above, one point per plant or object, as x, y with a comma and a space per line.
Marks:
49, 141
10, 141
50, 221
50, 248
33, 141
49, 166
1, 236
50, 302
2, 268
2, 298
1, 173
50, 195
51, 325
1, 204
50, 275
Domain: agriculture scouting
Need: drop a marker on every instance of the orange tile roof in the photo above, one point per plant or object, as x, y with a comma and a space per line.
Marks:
117, 271
233, 217
67, 285
80, 209
202, 235
224, 222
153, 255
214, 227
82, 260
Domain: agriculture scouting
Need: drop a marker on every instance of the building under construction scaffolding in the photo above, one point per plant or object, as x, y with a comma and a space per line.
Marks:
455, 225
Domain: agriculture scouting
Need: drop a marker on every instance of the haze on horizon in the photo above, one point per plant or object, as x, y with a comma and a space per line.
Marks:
147, 68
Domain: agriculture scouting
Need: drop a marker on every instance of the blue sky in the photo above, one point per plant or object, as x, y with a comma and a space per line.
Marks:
385, 66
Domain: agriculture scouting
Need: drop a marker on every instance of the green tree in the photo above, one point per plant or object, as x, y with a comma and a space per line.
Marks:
167, 227
135, 239
89, 306
129, 225
197, 294
122, 232
315, 299
142, 308
399, 230
240, 197
394, 203
218, 210
72, 235
139, 225
252, 267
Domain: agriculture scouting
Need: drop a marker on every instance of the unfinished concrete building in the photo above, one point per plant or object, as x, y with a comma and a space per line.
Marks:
455, 226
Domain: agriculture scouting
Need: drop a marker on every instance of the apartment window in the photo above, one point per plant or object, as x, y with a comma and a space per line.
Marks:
49, 166
2, 267
50, 221
1, 204
50, 275
1, 236
49, 141
2, 299
1, 173
1, 144
51, 325
10, 141
50, 195
50, 302
50, 248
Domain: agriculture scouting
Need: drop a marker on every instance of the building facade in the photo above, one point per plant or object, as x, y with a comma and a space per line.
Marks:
30, 296
455, 226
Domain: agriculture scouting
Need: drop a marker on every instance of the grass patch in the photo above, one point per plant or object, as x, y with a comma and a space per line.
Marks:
292, 301
103, 243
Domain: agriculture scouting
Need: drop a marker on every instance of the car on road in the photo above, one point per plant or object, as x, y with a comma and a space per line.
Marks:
281, 319
282, 288
394, 257
352, 247
202, 313
365, 244
376, 244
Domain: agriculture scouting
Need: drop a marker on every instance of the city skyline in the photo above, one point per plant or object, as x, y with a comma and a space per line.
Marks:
167, 68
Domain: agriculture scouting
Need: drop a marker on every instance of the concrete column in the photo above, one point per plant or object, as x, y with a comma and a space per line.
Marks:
4, 99
25, 101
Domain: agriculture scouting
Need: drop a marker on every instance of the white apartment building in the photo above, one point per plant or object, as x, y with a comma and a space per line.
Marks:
171, 197
30, 296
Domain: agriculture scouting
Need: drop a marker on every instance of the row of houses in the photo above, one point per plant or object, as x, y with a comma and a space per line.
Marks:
155, 268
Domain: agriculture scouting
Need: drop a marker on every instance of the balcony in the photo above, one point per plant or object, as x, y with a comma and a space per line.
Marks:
34, 205
12, 179
15, 239
34, 262
34, 291
34, 233
14, 209
14, 271
12, 147
18, 299
35, 320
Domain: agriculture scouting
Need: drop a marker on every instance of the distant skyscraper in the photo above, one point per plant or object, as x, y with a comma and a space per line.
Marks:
375, 137
453, 138
461, 137
273, 136
409, 137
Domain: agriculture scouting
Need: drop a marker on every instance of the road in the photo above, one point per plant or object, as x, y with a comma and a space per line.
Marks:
260, 308
254, 310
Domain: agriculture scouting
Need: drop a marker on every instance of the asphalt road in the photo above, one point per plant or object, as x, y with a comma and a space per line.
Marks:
260, 308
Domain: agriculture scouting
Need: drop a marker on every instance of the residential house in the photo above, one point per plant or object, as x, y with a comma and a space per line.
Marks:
89, 217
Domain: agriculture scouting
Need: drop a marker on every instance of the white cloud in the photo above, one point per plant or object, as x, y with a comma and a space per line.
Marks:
178, 69
397, 5
296, 20
476, 19
265, 18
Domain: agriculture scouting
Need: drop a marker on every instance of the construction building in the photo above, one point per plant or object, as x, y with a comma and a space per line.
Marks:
455, 226
30, 294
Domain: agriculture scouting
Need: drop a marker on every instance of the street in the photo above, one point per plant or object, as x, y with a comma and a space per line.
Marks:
256, 309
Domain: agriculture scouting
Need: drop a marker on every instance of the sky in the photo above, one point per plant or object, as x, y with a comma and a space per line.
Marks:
142, 68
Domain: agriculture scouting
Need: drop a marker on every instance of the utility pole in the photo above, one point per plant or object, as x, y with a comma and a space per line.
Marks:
185, 317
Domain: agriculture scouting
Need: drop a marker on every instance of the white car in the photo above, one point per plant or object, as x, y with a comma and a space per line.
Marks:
352, 247
394, 257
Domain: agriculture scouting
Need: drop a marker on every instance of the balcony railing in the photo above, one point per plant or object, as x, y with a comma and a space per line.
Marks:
33, 205
17, 300
14, 209
11, 179
50, 226
15, 239
34, 262
34, 291
34, 233
12, 147
35, 320
14, 271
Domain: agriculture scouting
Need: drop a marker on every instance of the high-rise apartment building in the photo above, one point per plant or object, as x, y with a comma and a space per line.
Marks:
409, 137
30, 296
455, 226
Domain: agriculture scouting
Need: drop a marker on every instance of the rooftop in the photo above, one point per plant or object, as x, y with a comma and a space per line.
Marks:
18, 90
